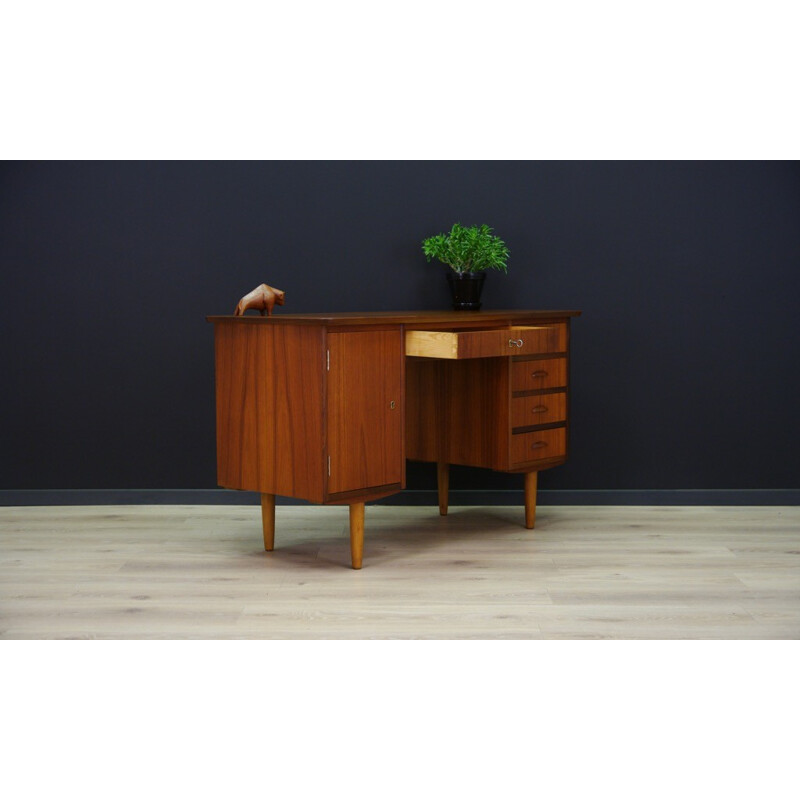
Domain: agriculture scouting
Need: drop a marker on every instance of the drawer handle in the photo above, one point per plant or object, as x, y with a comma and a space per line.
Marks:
515, 342
540, 373
538, 445
539, 409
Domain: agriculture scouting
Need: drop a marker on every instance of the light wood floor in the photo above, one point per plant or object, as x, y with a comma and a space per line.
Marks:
178, 572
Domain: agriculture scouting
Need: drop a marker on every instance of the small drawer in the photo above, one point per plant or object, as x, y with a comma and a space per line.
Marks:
537, 445
536, 409
528, 340
548, 373
515, 340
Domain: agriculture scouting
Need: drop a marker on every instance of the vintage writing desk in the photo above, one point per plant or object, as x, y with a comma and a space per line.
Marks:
328, 407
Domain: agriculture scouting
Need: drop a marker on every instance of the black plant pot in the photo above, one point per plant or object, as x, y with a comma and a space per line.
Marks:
466, 290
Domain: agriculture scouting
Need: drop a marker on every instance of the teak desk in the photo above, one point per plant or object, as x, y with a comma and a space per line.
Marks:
328, 407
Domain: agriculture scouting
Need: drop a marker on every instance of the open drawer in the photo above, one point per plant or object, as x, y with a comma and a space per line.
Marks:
514, 340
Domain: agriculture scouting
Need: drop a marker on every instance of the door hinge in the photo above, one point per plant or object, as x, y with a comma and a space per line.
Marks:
328, 360
329, 466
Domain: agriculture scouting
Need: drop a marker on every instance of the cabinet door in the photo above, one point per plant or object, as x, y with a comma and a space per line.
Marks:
365, 410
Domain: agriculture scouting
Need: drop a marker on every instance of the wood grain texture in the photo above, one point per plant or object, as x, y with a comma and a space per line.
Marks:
340, 433
269, 385
364, 495
461, 411
415, 319
356, 534
457, 412
200, 572
536, 339
268, 520
365, 402
443, 486
425, 420
494, 343
538, 409
299, 394
538, 445
437, 344
531, 481
534, 375
476, 413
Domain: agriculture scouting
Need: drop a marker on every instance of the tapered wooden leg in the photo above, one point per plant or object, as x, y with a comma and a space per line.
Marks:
443, 479
268, 520
356, 533
530, 498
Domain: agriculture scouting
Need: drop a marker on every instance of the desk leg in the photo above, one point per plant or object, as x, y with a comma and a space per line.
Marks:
530, 498
356, 533
443, 480
268, 520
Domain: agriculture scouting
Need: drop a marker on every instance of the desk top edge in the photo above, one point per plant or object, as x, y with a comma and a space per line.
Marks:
392, 317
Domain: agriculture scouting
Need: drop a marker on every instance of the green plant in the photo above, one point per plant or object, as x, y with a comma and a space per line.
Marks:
467, 249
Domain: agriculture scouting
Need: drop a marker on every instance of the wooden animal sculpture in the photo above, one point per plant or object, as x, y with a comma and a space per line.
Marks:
261, 298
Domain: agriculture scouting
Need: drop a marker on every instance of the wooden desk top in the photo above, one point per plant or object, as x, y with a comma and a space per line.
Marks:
444, 318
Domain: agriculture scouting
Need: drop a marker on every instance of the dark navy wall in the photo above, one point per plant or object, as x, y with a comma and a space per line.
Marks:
686, 361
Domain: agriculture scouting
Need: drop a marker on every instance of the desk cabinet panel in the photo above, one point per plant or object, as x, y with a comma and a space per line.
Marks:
365, 401
269, 385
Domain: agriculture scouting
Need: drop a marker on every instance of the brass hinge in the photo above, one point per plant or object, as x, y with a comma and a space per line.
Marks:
329, 360
329, 466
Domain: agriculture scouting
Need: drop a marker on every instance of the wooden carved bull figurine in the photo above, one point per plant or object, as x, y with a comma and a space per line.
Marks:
261, 298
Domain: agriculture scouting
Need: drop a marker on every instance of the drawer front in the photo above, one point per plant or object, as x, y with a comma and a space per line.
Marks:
548, 373
528, 340
512, 341
537, 445
537, 409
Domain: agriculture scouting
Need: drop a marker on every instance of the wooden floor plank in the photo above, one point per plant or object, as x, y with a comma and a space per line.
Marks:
200, 572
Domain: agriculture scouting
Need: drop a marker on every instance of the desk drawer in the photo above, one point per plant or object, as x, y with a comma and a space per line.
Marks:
512, 341
537, 409
548, 373
537, 445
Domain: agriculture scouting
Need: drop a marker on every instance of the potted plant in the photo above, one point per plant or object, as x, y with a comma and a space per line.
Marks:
469, 252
